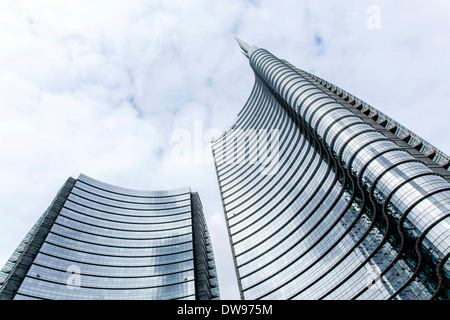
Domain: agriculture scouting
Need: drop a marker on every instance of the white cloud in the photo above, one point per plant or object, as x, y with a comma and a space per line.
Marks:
98, 87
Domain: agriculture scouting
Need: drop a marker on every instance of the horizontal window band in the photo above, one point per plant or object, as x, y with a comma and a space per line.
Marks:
132, 195
28, 296
115, 256
338, 133
130, 209
123, 238
121, 246
126, 214
113, 289
114, 276
127, 222
116, 266
124, 201
123, 230
379, 176
41, 298
317, 108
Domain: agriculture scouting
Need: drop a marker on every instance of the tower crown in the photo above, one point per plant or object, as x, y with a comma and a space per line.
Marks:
246, 48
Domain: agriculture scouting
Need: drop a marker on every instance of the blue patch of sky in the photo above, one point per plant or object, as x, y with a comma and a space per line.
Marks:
175, 101
133, 104
318, 43
318, 40
255, 2
158, 153
209, 82
234, 30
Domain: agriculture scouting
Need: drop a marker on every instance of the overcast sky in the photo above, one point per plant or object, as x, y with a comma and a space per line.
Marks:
106, 88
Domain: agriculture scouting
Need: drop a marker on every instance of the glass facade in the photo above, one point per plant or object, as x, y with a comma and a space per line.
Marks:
348, 210
108, 242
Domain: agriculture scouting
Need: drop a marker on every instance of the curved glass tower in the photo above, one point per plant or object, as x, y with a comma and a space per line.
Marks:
98, 241
325, 197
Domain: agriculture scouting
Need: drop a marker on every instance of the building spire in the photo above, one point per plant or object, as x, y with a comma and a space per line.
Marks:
246, 48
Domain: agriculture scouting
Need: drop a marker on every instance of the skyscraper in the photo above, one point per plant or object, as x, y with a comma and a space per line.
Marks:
98, 241
325, 197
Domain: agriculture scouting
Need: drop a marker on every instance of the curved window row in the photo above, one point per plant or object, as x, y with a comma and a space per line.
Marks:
77, 245
128, 205
41, 289
122, 225
86, 188
132, 192
104, 282
103, 236
108, 207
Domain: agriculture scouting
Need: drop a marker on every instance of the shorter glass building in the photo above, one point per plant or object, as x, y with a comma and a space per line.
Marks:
98, 241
